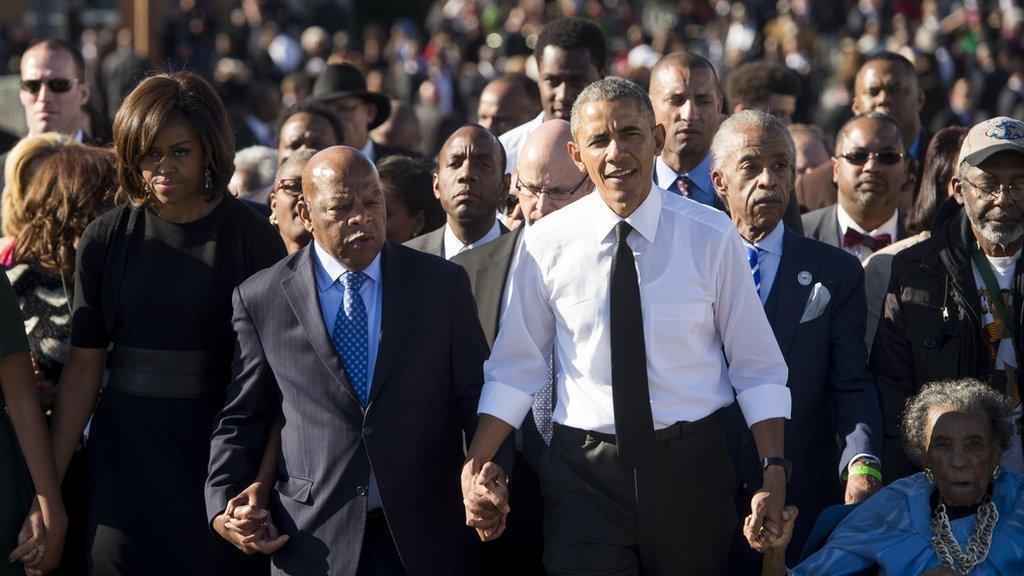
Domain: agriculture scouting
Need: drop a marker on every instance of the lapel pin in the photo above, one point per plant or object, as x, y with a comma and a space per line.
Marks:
804, 278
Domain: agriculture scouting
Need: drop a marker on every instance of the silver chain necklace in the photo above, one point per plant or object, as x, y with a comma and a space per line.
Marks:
946, 546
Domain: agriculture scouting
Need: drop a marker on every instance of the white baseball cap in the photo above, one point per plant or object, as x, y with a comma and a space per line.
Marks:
992, 136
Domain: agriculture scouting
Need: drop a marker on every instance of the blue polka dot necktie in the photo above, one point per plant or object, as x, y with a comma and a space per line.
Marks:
350, 334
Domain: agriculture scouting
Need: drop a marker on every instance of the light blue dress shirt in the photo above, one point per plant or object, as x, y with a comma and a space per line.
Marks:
332, 293
702, 191
769, 256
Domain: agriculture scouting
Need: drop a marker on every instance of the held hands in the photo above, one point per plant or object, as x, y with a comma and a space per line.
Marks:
485, 495
767, 504
246, 523
41, 539
771, 538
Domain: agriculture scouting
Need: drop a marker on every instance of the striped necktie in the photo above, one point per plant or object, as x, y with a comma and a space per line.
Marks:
755, 267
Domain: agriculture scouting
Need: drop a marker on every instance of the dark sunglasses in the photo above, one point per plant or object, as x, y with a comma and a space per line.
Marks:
59, 85
861, 157
290, 187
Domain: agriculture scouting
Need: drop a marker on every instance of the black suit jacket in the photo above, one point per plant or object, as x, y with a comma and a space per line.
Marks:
423, 400
433, 242
823, 226
835, 414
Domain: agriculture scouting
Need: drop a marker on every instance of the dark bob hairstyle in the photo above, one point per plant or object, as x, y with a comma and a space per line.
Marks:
147, 110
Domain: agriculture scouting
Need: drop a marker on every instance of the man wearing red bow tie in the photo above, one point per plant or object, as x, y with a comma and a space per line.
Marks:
869, 169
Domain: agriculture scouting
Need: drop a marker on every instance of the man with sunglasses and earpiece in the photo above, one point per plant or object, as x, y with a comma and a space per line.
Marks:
53, 91
954, 304
870, 168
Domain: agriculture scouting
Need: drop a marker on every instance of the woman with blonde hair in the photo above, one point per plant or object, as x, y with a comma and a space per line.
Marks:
18, 167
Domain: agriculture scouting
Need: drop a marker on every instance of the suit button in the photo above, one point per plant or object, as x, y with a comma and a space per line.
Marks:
361, 490
929, 342
367, 430
745, 439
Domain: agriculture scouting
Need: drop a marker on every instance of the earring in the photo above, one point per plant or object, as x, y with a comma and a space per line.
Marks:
145, 188
995, 473
209, 180
273, 219
929, 476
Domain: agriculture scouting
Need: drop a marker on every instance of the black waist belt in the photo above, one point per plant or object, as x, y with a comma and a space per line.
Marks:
166, 373
677, 430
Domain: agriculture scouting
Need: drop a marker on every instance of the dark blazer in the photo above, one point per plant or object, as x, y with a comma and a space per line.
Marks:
423, 400
433, 242
823, 226
835, 413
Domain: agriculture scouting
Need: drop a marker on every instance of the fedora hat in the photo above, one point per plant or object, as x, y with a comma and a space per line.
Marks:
345, 80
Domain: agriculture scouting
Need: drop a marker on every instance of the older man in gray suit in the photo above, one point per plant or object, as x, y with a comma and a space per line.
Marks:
373, 392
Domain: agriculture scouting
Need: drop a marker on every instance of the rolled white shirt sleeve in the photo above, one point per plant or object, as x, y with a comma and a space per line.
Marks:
757, 369
518, 365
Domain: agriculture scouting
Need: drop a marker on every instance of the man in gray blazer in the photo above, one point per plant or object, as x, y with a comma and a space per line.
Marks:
373, 393
546, 180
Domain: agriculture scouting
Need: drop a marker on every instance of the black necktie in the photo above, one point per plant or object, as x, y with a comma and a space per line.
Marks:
634, 426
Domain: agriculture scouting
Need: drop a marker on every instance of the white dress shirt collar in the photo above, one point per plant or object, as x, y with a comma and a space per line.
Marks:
330, 269
889, 227
452, 244
700, 175
79, 136
644, 219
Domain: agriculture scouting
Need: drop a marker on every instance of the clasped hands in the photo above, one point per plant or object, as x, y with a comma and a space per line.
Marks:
247, 524
41, 538
485, 496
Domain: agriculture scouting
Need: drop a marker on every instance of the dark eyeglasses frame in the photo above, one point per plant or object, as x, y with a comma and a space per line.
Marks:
279, 185
58, 85
885, 157
559, 195
1016, 193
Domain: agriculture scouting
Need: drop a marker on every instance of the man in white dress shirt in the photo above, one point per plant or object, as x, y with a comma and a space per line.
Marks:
870, 169
647, 301
469, 182
571, 53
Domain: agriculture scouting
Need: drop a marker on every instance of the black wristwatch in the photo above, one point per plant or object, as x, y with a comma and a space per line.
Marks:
778, 461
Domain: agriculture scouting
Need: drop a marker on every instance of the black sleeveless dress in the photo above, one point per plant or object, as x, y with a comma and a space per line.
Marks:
160, 294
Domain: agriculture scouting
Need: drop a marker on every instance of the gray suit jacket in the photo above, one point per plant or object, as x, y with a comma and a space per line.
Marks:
488, 267
433, 242
823, 226
423, 399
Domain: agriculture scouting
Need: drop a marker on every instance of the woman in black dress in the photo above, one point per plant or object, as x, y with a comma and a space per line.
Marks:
153, 282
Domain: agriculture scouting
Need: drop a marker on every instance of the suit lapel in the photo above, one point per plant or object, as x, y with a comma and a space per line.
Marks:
831, 234
491, 279
399, 288
301, 291
434, 243
788, 298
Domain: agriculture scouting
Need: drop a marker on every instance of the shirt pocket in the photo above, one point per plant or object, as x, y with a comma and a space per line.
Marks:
675, 334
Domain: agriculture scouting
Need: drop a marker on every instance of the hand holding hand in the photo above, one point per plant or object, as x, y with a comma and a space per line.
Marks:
485, 496
767, 504
41, 539
246, 523
763, 541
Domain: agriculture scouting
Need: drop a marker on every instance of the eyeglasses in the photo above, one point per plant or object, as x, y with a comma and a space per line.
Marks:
861, 157
58, 85
991, 189
290, 187
556, 194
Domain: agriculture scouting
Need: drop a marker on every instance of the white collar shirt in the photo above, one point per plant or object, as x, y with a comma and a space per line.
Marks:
452, 244
698, 302
769, 256
513, 140
890, 227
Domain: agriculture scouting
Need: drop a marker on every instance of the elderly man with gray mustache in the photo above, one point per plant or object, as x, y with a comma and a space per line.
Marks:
813, 295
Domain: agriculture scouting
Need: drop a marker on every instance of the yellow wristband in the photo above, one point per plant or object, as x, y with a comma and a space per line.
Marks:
866, 470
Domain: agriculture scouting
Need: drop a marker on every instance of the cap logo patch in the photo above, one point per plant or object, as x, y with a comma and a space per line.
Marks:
1005, 130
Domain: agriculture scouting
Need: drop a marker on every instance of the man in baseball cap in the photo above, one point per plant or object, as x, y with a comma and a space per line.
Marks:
342, 88
955, 300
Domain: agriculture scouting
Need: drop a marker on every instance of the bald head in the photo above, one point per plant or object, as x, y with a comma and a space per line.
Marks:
470, 180
506, 102
547, 178
343, 206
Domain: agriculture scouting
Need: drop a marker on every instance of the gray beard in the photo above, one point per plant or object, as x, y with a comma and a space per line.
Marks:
993, 236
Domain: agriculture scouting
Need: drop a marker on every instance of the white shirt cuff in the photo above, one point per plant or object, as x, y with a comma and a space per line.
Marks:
765, 402
507, 403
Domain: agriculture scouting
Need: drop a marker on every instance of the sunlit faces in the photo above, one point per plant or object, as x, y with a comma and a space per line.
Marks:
470, 179
174, 166
284, 201
756, 179
992, 195
961, 454
883, 86
355, 116
304, 131
876, 181
563, 75
48, 110
617, 145
687, 103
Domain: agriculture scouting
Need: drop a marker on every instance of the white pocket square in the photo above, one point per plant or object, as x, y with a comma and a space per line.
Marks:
816, 303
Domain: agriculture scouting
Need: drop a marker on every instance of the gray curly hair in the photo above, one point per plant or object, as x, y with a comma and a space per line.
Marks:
963, 394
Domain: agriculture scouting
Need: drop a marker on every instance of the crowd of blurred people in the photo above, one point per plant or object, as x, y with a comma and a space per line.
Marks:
356, 297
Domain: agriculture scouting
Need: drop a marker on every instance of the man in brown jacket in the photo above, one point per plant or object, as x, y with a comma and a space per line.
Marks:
939, 320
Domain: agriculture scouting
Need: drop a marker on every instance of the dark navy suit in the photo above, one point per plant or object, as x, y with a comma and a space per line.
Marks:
835, 413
